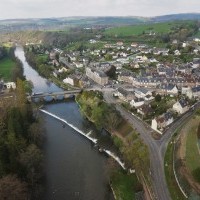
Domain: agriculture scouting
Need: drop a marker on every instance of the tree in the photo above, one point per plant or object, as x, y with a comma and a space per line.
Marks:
36, 134
198, 131
12, 188
113, 119
136, 153
158, 98
31, 159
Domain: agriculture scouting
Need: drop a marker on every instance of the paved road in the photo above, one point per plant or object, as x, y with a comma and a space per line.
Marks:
157, 148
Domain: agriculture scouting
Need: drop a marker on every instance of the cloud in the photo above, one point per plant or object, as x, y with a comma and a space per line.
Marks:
61, 8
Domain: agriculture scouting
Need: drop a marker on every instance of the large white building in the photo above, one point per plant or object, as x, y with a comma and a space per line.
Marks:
97, 76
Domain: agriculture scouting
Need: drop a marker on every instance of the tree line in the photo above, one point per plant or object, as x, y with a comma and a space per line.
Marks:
21, 158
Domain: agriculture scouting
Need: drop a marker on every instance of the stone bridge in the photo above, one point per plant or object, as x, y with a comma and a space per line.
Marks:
54, 95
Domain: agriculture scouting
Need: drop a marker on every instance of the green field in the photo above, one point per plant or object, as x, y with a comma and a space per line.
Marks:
6, 67
192, 153
125, 186
174, 190
139, 29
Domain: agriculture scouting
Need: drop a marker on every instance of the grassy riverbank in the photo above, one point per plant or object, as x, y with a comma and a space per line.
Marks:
125, 185
125, 138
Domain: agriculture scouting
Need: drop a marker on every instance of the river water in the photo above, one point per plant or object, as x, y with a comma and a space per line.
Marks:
74, 168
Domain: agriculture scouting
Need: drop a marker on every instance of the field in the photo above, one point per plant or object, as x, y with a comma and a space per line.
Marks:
125, 186
192, 152
6, 66
169, 174
140, 29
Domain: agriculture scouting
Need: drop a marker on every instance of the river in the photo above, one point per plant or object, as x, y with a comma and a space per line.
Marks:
74, 168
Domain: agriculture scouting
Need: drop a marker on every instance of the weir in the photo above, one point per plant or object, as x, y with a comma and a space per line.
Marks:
109, 153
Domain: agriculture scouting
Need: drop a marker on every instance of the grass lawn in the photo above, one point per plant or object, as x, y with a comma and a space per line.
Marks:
6, 67
125, 186
174, 190
139, 29
192, 153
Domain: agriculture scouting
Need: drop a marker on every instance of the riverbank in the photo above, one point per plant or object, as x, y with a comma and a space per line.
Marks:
68, 157
95, 109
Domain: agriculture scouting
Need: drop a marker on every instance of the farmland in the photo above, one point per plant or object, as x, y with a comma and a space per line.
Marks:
6, 67
142, 29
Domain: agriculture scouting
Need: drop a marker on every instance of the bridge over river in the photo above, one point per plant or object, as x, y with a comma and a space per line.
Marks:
54, 95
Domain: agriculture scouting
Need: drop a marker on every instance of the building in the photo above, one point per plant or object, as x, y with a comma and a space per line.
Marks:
142, 93
162, 121
193, 92
124, 94
181, 106
137, 102
170, 89
10, 85
71, 80
97, 76
145, 110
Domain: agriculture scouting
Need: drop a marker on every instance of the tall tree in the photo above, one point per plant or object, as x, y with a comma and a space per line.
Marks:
11, 188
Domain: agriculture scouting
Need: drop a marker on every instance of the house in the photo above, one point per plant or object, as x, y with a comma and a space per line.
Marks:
124, 94
10, 85
149, 98
125, 76
145, 110
185, 90
193, 92
72, 80
142, 93
137, 102
162, 121
120, 43
78, 64
63, 69
97, 76
181, 106
170, 89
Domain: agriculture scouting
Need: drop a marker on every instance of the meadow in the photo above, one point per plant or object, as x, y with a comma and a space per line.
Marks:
141, 29
6, 67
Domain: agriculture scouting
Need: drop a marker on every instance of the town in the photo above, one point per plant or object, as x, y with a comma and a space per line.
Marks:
155, 84
103, 104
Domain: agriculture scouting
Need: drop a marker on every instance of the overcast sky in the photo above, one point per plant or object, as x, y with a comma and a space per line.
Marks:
10, 9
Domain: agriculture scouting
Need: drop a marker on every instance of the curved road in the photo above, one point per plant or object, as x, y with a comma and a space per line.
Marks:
157, 148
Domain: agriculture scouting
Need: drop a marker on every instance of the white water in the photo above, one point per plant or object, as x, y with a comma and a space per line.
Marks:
75, 128
117, 159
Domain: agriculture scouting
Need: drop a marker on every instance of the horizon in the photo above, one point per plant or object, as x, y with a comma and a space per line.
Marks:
101, 16
31, 9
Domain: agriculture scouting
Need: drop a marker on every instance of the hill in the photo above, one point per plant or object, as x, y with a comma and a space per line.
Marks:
64, 23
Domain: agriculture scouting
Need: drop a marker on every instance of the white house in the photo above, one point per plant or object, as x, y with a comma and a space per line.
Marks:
63, 69
193, 92
162, 121
10, 85
137, 102
70, 80
181, 106
142, 92
185, 90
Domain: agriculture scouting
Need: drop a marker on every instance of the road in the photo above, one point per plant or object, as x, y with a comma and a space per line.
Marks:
157, 148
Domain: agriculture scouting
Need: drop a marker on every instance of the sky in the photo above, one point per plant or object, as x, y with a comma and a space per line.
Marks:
11, 9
